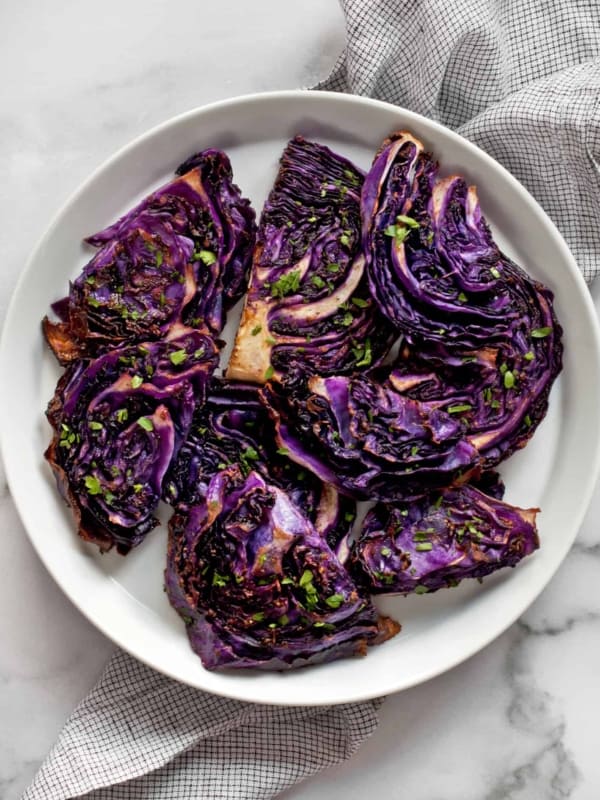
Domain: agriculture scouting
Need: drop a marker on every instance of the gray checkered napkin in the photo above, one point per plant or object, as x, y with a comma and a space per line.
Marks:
521, 80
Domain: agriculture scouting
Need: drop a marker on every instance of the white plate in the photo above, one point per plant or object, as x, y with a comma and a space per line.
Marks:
123, 597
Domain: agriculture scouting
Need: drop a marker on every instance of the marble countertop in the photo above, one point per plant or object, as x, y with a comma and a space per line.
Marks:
519, 721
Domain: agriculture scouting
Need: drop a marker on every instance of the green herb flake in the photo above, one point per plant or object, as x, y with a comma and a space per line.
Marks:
459, 408
397, 232
385, 551
286, 581
529, 356
95, 426
286, 284
462, 298
92, 484
317, 281
438, 502
333, 268
256, 330
207, 257
541, 333
509, 379
137, 487
420, 589
93, 302
495, 272
219, 580
145, 423
345, 240
312, 219
178, 357
359, 302
335, 600
423, 547
136, 381
366, 354
408, 221
527, 421
283, 451
269, 372
306, 578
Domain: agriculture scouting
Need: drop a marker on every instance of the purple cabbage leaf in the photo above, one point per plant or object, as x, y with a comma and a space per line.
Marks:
181, 256
439, 540
308, 307
119, 420
258, 586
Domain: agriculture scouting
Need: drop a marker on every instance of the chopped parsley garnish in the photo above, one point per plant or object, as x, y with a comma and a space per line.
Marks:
335, 600
145, 423
286, 284
256, 330
269, 372
219, 580
96, 426
136, 381
317, 281
177, 357
92, 484
207, 257
495, 272
359, 302
541, 333
509, 379
459, 408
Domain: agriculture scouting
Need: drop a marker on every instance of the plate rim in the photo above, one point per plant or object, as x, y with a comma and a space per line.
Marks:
229, 690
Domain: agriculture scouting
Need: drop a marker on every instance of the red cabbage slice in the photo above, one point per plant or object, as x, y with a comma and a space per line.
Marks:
119, 420
258, 587
181, 256
438, 541
308, 307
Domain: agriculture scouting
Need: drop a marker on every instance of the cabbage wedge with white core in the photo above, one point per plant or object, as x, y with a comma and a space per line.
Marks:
119, 421
180, 256
257, 586
234, 429
308, 308
433, 266
436, 542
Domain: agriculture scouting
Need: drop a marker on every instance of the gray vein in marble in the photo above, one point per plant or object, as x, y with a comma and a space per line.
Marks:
587, 549
550, 772
556, 630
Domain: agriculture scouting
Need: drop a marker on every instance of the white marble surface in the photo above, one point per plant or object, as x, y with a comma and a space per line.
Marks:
519, 721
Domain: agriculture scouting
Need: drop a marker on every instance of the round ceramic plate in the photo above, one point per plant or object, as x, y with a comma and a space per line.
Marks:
124, 597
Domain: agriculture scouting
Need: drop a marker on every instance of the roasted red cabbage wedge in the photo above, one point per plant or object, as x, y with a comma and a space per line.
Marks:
499, 397
119, 420
181, 256
308, 307
438, 541
434, 268
233, 428
369, 439
258, 587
